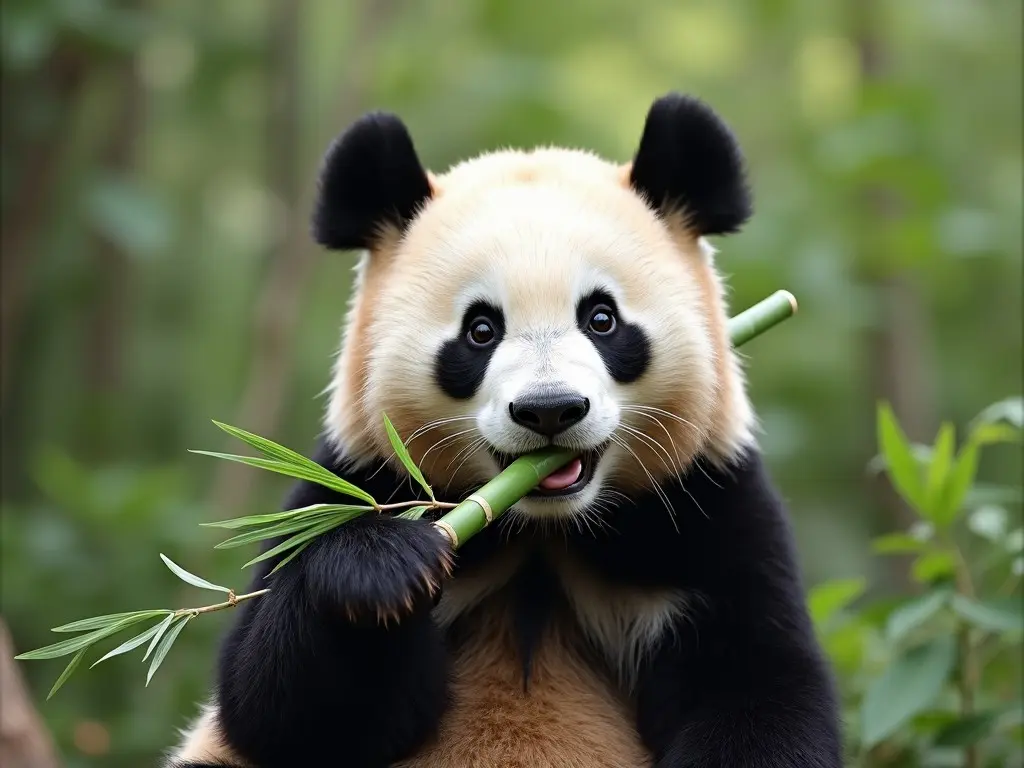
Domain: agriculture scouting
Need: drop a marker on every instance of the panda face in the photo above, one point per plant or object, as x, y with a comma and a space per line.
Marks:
537, 300
531, 298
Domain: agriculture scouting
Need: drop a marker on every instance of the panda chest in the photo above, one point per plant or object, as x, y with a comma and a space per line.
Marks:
568, 714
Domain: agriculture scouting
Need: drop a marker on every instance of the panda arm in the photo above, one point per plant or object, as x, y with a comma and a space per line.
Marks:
340, 660
742, 680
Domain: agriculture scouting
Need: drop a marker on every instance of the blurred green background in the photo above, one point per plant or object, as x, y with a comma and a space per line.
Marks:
158, 161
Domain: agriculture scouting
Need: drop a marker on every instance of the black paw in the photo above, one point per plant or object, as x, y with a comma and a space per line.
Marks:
378, 568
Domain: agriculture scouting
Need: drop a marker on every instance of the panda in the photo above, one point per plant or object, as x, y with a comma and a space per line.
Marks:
643, 606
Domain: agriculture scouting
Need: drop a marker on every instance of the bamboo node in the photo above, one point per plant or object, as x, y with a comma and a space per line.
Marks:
482, 502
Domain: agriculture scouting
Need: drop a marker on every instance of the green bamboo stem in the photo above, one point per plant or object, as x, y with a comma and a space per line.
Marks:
760, 317
522, 476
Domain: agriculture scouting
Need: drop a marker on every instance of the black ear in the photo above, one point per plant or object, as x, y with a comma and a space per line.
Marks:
689, 159
370, 177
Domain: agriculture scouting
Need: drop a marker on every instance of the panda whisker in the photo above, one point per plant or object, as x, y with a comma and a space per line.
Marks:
432, 425
453, 438
664, 429
654, 485
670, 465
685, 422
472, 448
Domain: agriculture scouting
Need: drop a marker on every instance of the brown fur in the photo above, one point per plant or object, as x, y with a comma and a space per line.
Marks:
568, 718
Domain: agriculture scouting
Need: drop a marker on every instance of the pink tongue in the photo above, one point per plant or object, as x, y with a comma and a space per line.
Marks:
564, 477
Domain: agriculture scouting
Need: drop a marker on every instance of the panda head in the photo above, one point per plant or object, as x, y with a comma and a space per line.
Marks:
527, 298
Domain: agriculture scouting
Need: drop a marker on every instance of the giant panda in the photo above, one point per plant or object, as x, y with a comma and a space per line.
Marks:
643, 606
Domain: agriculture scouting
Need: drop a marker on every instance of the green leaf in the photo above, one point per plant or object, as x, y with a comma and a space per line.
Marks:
272, 450
1010, 410
967, 730
898, 544
933, 566
903, 467
997, 617
165, 645
135, 642
98, 622
251, 520
826, 599
909, 684
992, 434
958, 484
285, 560
320, 477
414, 513
294, 541
403, 456
268, 448
339, 512
68, 670
71, 645
190, 578
161, 628
938, 468
913, 613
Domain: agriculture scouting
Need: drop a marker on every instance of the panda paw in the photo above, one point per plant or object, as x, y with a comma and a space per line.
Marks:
378, 569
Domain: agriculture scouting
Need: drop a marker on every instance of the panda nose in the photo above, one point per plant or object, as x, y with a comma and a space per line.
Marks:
549, 415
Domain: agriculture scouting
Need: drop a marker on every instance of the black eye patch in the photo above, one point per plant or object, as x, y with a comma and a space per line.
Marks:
461, 363
625, 350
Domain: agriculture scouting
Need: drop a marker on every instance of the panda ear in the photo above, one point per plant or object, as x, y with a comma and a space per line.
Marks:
370, 177
689, 161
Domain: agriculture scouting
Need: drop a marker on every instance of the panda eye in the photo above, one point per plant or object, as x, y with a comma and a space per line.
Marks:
602, 321
481, 332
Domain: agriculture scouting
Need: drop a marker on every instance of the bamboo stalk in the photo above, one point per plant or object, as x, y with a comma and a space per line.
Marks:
522, 476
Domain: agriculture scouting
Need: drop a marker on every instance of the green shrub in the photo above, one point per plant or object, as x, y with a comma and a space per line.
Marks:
933, 678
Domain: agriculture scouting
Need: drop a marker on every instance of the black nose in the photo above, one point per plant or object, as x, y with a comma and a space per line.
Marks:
549, 414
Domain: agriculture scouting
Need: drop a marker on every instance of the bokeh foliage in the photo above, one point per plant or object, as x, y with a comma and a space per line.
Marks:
158, 161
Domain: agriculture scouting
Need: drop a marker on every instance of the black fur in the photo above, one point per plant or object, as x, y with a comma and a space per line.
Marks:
459, 367
741, 683
688, 159
371, 176
626, 351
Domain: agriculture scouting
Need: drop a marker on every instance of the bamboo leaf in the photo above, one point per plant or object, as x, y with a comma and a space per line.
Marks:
344, 513
68, 670
284, 561
913, 613
269, 448
99, 622
294, 541
135, 642
293, 526
165, 645
414, 513
403, 456
903, 468
320, 477
190, 578
71, 645
251, 520
909, 685
161, 628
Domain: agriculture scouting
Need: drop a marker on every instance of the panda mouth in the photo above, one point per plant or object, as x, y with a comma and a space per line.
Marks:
569, 480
